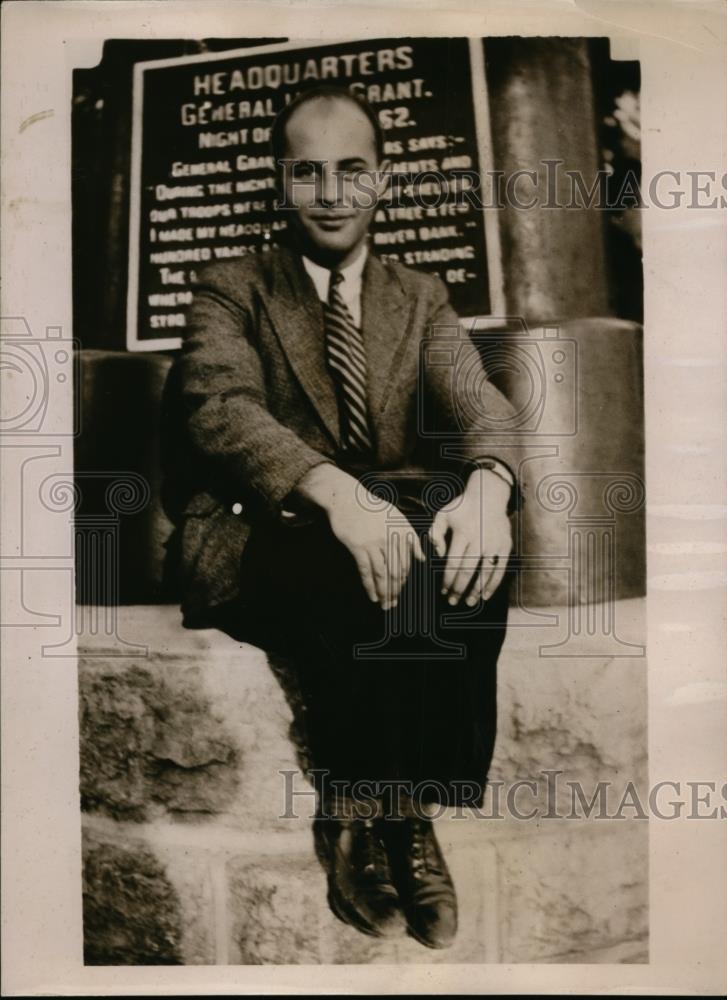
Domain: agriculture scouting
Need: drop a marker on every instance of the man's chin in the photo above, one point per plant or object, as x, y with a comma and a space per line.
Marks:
332, 245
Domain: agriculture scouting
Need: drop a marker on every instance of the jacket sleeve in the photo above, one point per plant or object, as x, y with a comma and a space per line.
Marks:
475, 420
224, 394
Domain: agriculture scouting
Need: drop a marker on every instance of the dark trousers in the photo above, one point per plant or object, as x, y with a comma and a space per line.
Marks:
404, 698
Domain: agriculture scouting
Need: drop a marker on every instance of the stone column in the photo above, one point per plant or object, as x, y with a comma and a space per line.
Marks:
541, 109
577, 389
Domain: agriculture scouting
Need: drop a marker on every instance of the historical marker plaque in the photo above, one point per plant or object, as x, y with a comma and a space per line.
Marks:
202, 184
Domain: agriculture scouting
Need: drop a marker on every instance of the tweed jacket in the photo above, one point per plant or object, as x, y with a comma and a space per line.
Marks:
259, 409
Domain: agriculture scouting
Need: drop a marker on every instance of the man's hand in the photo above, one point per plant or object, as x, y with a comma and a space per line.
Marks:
480, 538
378, 536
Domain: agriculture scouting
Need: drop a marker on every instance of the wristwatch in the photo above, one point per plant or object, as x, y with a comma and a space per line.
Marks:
499, 468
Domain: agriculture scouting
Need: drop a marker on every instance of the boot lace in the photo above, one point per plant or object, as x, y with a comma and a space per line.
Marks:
423, 856
371, 852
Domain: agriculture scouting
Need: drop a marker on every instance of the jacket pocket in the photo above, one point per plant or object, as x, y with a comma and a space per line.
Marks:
212, 544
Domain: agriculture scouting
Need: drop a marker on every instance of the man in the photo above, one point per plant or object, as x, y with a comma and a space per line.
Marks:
324, 518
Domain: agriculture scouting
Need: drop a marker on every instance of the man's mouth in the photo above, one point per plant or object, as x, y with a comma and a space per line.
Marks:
331, 220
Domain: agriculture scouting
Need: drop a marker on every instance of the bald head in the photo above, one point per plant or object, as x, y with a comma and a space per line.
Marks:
329, 173
329, 95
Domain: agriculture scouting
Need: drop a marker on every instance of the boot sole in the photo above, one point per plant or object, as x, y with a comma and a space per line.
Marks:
349, 916
428, 944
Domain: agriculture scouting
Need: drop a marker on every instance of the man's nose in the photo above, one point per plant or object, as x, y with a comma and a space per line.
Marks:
328, 187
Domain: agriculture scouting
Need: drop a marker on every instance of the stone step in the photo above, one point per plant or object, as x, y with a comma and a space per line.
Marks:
190, 857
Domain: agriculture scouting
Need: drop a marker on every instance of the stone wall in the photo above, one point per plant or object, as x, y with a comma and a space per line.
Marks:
188, 859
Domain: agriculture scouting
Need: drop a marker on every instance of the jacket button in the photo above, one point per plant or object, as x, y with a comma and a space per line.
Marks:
237, 508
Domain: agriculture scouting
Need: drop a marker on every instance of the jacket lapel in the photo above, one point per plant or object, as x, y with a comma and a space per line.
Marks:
295, 312
385, 311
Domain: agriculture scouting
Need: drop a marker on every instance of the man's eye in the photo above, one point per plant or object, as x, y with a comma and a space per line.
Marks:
303, 171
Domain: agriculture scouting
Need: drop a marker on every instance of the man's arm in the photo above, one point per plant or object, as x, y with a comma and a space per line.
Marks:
472, 422
223, 388
474, 530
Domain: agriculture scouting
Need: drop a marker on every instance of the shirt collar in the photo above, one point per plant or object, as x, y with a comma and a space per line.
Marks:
321, 275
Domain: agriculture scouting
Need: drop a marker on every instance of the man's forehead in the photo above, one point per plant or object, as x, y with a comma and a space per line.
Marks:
330, 122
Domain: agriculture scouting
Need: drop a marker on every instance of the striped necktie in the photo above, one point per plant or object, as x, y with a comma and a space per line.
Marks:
346, 359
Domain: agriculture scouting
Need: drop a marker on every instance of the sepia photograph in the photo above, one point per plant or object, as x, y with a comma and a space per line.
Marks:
346, 401
350, 472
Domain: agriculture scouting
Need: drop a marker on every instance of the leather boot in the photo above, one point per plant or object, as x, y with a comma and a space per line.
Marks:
422, 879
360, 889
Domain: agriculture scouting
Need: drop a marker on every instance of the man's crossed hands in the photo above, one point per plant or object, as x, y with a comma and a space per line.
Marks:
473, 532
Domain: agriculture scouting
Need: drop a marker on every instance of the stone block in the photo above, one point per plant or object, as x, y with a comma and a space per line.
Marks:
585, 716
573, 892
190, 872
257, 713
277, 907
150, 738
145, 902
200, 725
131, 912
586, 720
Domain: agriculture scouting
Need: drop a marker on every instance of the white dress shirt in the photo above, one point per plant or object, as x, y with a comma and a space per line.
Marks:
350, 286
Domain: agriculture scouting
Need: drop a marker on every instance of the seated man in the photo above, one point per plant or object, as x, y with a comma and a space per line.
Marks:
322, 522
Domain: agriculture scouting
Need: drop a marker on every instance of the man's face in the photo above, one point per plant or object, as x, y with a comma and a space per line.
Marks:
330, 177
